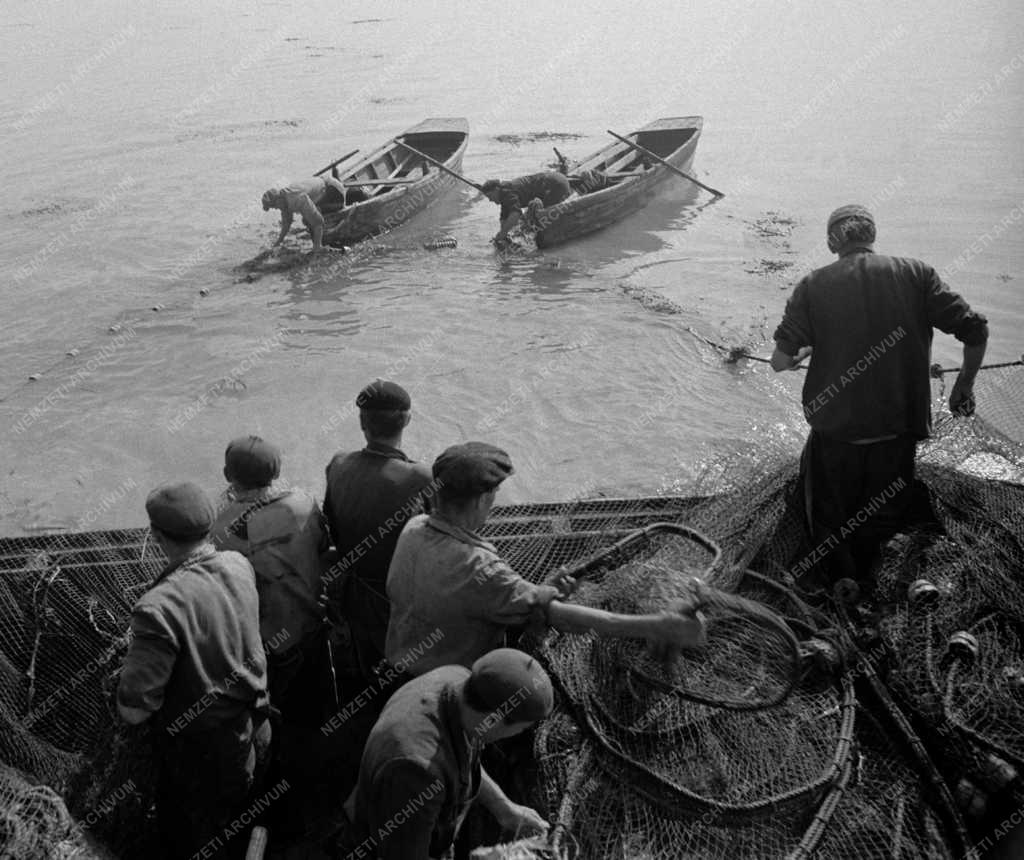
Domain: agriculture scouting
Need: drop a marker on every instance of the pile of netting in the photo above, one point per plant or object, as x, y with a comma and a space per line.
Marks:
895, 730
871, 726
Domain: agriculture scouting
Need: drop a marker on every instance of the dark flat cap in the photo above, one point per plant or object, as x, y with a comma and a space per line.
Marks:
252, 461
851, 210
383, 395
471, 469
511, 685
180, 510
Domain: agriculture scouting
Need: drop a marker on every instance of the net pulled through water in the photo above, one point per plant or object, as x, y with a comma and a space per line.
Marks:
867, 728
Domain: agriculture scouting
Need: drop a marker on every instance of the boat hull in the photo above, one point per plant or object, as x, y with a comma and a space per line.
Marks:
581, 215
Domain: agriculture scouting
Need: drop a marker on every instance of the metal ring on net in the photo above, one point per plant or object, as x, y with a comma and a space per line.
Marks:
622, 755
626, 549
778, 645
743, 635
677, 801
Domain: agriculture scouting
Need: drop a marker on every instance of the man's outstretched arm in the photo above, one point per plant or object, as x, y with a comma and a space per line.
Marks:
508, 223
961, 398
683, 630
286, 225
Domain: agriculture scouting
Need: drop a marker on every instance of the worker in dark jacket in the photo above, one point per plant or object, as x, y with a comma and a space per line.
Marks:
865, 322
549, 188
282, 533
196, 668
371, 494
421, 771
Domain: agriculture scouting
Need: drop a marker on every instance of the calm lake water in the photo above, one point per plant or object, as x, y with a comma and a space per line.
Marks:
139, 137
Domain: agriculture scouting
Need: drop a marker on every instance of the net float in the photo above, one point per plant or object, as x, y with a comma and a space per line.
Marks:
1013, 676
971, 799
846, 591
963, 646
922, 593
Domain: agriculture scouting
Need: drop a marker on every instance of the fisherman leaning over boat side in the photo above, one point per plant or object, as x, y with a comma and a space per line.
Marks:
305, 196
549, 187
866, 323
371, 494
196, 668
284, 536
445, 577
421, 772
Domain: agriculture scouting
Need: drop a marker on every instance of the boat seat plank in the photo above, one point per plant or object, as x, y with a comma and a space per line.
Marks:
404, 181
619, 163
402, 164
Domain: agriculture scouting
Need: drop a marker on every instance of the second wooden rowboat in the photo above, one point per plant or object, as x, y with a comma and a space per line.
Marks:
632, 179
390, 185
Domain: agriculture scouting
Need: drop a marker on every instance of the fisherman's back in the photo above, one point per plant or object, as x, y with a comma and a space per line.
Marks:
206, 614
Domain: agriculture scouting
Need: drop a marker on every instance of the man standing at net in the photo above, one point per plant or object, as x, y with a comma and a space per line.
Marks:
453, 597
866, 323
421, 771
196, 668
282, 533
371, 494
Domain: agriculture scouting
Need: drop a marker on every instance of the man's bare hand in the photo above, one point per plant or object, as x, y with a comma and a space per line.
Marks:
801, 354
675, 631
522, 820
561, 580
961, 399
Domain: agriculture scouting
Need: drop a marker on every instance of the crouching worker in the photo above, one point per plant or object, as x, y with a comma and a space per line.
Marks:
453, 597
304, 197
549, 188
421, 771
283, 535
196, 667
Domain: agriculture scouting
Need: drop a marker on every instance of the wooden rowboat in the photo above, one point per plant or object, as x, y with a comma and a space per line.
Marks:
633, 177
391, 184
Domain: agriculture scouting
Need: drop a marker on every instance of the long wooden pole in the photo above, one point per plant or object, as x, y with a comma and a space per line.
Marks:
437, 163
661, 160
336, 162
937, 370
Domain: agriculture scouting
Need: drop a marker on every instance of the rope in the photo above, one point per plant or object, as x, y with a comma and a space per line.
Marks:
936, 370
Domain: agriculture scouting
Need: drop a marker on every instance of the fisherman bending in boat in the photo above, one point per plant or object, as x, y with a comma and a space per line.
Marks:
305, 196
548, 188
421, 771
866, 323
449, 587
196, 668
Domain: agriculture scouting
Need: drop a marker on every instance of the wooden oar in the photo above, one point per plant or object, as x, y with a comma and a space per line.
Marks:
661, 160
336, 162
437, 163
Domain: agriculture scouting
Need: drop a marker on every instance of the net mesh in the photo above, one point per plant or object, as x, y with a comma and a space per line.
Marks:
752, 749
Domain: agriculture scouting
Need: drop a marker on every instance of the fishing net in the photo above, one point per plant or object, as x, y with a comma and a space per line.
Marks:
865, 727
